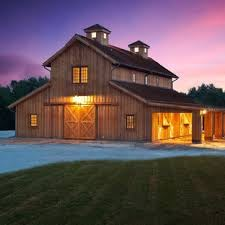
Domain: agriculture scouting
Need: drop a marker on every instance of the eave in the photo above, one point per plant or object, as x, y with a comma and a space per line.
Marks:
156, 103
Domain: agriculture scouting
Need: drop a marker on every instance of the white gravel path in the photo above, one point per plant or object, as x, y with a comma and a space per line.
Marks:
16, 156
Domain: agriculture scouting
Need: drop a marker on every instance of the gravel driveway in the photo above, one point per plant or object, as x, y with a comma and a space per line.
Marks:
16, 154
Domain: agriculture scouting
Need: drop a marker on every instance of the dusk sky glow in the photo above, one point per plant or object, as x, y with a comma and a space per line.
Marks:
187, 37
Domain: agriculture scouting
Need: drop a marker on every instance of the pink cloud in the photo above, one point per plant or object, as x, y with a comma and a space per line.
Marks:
14, 67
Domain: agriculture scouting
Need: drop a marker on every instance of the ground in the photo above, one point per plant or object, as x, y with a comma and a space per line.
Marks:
170, 191
22, 153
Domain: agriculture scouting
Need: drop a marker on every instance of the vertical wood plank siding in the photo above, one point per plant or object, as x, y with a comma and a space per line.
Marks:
124, 74
111, 104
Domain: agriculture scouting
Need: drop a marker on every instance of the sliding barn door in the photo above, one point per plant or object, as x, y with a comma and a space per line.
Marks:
79, 122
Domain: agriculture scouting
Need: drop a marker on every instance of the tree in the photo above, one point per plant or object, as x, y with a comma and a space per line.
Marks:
208, 95
13, 92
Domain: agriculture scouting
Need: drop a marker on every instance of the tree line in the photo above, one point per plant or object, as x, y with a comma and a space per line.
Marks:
12, 92
207, 95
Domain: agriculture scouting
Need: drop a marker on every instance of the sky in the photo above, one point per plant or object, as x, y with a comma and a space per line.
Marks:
187, 37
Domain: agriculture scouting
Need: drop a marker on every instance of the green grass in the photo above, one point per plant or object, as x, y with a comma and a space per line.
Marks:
166, 192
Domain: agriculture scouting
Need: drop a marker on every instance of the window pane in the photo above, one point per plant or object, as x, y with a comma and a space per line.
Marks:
134, 77
130, 122
93, 34
76, 75
84, 74
33, 120
136, 49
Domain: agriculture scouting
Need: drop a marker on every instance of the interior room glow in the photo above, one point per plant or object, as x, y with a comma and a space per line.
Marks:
136, 49
104, 35
145, 50
93, 34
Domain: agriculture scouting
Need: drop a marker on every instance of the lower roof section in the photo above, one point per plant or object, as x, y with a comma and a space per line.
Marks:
151, 94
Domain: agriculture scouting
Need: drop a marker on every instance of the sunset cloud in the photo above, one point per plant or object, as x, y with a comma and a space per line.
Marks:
14, 67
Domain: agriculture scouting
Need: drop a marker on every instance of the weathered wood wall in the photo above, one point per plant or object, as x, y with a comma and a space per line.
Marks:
34, 105
124, 74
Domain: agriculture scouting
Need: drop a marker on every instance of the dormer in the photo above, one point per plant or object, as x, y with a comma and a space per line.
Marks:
139, 48
98, 33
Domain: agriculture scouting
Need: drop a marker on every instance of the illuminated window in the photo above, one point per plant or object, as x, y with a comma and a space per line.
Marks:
145, 50
80, 74
136, 49
146, 80
33, 120
130, 121
105, 35
84, 74
76, 75
134, 77
93, 35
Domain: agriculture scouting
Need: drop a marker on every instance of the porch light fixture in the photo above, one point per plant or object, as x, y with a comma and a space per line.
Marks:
203, 112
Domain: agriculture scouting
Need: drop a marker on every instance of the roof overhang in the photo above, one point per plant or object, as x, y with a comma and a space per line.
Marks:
156, 103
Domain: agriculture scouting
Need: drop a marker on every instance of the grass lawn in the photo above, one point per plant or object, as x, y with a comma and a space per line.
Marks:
171, 191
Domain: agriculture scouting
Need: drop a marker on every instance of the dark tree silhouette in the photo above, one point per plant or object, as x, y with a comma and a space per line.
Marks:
208, 95
13, 92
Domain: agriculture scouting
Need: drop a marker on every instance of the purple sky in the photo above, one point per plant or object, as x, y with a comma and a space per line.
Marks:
187, 37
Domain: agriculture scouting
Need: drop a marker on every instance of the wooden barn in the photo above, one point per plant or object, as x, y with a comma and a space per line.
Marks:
100, 91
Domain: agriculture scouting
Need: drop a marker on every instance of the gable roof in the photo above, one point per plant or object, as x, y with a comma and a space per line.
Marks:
97, 27
138, 43
151, 94
34, 92
118, 56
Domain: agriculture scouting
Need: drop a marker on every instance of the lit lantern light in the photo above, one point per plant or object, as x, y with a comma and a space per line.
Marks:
203, 112
79, 99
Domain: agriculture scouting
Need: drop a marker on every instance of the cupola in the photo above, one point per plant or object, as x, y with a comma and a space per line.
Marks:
98, 33
139, 48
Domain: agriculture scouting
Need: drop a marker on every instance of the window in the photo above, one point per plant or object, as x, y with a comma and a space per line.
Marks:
136, 49
105, 35
84, 74
130, 121
134, 77
76, 75
80, 75
93, 35
157, 81
145, 50
146, 80
33, 120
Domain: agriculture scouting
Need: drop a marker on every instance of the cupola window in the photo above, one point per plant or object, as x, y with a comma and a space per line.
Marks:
93, 35
105, 35
136, 49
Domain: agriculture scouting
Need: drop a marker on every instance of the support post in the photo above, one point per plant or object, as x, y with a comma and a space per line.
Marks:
196, 127
148, 125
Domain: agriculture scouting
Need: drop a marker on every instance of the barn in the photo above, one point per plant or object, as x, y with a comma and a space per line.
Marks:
98, 91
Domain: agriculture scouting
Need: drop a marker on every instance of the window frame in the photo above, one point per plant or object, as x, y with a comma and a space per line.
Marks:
80, 74
134, 121
30, 115
95, 35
